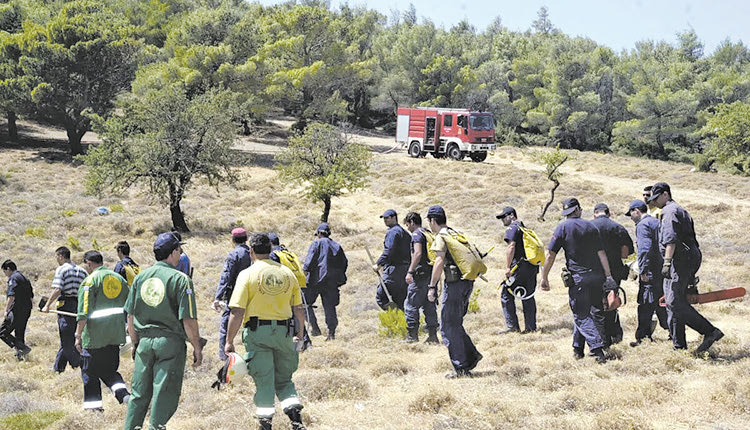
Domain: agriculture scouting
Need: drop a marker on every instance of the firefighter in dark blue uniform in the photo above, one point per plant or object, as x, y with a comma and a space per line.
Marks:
617, 245
523, 276
17, 310
588, 271
237, 260
325, 267
650, 261
682, 259
418, 277
394, 260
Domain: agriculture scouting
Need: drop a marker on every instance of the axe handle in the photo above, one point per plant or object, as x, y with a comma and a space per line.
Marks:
380, 278
67, 314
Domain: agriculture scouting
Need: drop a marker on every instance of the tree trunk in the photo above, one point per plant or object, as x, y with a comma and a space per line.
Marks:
551, 199
178, 218
326, 209
12, 126
74, 139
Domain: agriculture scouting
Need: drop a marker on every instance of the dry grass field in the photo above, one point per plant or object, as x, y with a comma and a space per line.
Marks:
361, 380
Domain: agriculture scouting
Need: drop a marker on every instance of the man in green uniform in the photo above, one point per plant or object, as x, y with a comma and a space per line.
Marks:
161, 316
264, 298
100, 331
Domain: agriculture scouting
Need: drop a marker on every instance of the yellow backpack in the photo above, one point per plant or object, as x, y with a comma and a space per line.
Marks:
290, 260
532, 246
131, 271
466, 256
429, 238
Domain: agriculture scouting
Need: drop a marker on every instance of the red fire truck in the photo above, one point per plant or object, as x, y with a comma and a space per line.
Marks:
440, 132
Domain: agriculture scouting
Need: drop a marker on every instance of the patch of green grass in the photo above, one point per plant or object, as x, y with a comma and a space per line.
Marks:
34, 232
69, 213
30, 420
74, 243
95, 244
116, 207
392, 323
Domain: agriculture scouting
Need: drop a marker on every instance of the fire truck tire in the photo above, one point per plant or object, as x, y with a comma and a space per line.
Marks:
455, 153
478, 156
415, 150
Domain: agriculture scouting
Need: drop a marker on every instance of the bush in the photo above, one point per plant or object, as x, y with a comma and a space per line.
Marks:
392, 323
69, 213
116, 207
74, 243
34, 232
703, 162
30, 420
431, 402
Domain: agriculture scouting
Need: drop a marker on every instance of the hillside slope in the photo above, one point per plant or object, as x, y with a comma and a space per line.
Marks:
364, 381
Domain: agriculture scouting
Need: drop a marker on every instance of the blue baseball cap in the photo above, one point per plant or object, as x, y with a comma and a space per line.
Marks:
435, 210
388, 213
637, 204
167, 242
323, 226
658, 189
274, 238
570, 205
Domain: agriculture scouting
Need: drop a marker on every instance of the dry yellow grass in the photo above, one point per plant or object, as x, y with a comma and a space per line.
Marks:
362, 381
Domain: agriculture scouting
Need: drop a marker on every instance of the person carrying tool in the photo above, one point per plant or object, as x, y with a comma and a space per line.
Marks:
682, 259
650, 281
325, 267
65, 284
394, 262
418, 277
267, 304
617, 245
100, 331
586, 271
237, 260
126, 267
17, 310
524, 275
161, 316
455, 297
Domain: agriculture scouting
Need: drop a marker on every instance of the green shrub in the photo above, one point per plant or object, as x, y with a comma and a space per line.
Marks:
74, 243
116, 207
95, 244
703, 162
34, 232
69, 213
30, 420
474, 300
392, 323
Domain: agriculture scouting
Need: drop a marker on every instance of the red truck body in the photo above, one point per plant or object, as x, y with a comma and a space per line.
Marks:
440, 132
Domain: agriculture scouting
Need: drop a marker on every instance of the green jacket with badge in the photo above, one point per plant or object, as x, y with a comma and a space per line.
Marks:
101, 298
160, 298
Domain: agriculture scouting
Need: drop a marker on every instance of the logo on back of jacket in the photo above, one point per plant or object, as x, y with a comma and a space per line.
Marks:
273, 285
152, 292
111, 286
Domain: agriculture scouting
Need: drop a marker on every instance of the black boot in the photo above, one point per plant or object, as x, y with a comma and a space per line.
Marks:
314, 329
331, 334
412, 335
265, 423
432, 337
295, 416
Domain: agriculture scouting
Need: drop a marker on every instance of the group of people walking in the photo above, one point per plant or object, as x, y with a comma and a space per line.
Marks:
268, 293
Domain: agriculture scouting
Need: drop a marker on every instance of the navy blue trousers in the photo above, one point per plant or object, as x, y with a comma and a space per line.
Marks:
100, 364
223, 332
66, 326
461, 350
525, 279
330, 297
585, 302
13, 329
416, 299
648, 304
679, 312
394, 278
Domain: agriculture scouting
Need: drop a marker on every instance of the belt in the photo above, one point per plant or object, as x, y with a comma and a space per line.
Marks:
285, 323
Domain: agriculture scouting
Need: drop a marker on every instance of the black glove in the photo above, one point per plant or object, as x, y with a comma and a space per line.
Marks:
610, 284
666, 268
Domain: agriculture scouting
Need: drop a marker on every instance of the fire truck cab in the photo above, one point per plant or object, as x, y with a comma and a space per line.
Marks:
440, 132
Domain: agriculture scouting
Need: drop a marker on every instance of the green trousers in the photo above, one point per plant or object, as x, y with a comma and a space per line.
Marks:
157, 379
272, 360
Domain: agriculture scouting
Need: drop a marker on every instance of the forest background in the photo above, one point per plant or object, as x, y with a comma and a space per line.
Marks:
65, 63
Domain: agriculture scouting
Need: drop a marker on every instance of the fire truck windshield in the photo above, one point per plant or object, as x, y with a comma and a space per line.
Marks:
481, 122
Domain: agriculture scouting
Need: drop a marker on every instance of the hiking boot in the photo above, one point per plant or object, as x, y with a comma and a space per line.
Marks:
331, 335
265, 423
412, 336
295, 416
578, 353
529, 330
432, 338
601, 358
21, 353
635, 343
314, 329
709, 340
509, 330
459, 373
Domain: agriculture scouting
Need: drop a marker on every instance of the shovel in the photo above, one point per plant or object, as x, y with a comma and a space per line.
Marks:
43, 302
391, 304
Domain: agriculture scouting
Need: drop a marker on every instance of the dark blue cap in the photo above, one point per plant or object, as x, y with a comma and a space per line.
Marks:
570, 205
274, 238
167, 242
637, 204
506, 211
435, 210
388, 213
323, 226
658, 189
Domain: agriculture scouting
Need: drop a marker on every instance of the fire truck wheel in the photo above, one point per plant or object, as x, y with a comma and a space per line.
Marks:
415, 150
455, 153
478, 156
